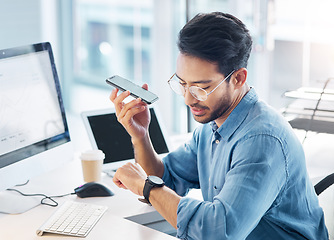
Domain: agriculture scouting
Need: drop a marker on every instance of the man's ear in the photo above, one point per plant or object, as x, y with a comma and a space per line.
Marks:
239, 77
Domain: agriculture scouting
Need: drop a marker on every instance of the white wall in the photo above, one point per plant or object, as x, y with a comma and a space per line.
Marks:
21, 23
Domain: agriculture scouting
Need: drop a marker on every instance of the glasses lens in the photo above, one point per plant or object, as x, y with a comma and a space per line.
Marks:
176, 86
198, 93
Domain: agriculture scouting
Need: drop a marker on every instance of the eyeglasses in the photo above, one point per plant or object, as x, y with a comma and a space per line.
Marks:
199, 93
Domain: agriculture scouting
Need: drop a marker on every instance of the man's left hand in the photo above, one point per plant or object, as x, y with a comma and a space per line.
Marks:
131, 176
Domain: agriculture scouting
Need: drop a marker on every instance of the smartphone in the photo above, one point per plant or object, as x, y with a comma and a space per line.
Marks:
135, 90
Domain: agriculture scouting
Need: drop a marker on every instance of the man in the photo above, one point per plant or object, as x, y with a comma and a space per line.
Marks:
245, 157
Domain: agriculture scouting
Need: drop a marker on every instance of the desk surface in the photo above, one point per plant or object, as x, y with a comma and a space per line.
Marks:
112, 225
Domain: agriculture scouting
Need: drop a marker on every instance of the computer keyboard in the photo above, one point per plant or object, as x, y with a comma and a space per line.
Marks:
73, 218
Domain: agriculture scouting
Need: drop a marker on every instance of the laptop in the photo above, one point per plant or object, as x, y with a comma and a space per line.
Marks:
107, 134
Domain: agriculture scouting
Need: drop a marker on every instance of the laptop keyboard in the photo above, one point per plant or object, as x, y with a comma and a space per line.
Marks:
110, 172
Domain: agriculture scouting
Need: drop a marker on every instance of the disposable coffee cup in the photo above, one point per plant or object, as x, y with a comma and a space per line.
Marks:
92, 161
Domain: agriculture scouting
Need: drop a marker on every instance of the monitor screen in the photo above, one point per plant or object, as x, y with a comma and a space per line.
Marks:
32, 116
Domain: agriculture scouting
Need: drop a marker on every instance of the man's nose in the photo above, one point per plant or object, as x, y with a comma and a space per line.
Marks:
189, 98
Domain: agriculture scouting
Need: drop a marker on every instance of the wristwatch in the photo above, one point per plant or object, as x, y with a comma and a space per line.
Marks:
151, 182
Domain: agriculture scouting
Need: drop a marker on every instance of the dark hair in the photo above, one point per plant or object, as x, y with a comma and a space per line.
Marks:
219, 38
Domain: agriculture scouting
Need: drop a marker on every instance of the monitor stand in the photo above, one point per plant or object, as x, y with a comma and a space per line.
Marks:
14, 203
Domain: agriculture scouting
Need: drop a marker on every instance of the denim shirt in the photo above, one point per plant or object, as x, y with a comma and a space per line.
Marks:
253, 178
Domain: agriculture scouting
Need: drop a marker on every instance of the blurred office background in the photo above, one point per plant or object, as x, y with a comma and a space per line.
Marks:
95, 39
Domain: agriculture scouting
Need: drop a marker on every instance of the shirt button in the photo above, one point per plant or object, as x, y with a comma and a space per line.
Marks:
217, 141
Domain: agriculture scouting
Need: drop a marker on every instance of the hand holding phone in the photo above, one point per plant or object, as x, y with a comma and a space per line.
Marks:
135, 90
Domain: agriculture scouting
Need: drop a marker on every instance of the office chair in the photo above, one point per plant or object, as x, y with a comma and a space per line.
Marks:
324, 184
326, 201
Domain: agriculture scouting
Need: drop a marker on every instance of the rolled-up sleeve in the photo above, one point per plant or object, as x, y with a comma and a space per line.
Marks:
180, 169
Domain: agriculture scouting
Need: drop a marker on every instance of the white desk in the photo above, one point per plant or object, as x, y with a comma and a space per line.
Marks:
112, 225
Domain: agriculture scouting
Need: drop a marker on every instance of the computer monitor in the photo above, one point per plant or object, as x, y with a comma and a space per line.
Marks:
34, 136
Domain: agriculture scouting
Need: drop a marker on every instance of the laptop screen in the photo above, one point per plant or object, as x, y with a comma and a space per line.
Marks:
111, 137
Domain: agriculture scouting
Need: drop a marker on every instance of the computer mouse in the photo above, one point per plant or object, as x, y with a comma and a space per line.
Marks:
93, 189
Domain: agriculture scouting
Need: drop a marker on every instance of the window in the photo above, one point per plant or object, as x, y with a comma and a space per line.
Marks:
137, 40
302, 46
133, 39
112, 37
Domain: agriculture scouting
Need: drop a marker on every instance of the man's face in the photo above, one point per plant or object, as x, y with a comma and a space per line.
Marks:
194, 71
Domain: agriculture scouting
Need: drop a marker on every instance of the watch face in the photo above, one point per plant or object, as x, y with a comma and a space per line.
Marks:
156, 180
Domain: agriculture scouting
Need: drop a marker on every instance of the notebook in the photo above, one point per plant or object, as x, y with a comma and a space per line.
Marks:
107, 134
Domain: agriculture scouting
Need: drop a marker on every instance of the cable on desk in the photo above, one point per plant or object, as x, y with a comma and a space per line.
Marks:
53, 203
22, 184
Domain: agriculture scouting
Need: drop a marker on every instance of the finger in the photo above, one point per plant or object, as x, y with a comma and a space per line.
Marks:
130, 109
132, 104
118, 101
118, 183
129, 115
145, 86
113, 94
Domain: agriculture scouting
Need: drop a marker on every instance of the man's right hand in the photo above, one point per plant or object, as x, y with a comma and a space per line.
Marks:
134, 115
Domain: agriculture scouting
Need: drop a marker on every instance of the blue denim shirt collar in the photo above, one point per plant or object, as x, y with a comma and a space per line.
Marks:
237, 116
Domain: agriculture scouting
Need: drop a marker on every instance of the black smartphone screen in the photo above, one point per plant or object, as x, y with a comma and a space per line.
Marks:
135, 90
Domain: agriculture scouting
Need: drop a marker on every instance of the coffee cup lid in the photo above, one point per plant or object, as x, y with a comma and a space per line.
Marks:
92, 155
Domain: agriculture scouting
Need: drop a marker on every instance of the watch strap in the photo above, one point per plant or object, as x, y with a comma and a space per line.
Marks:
147, 189
151, 182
